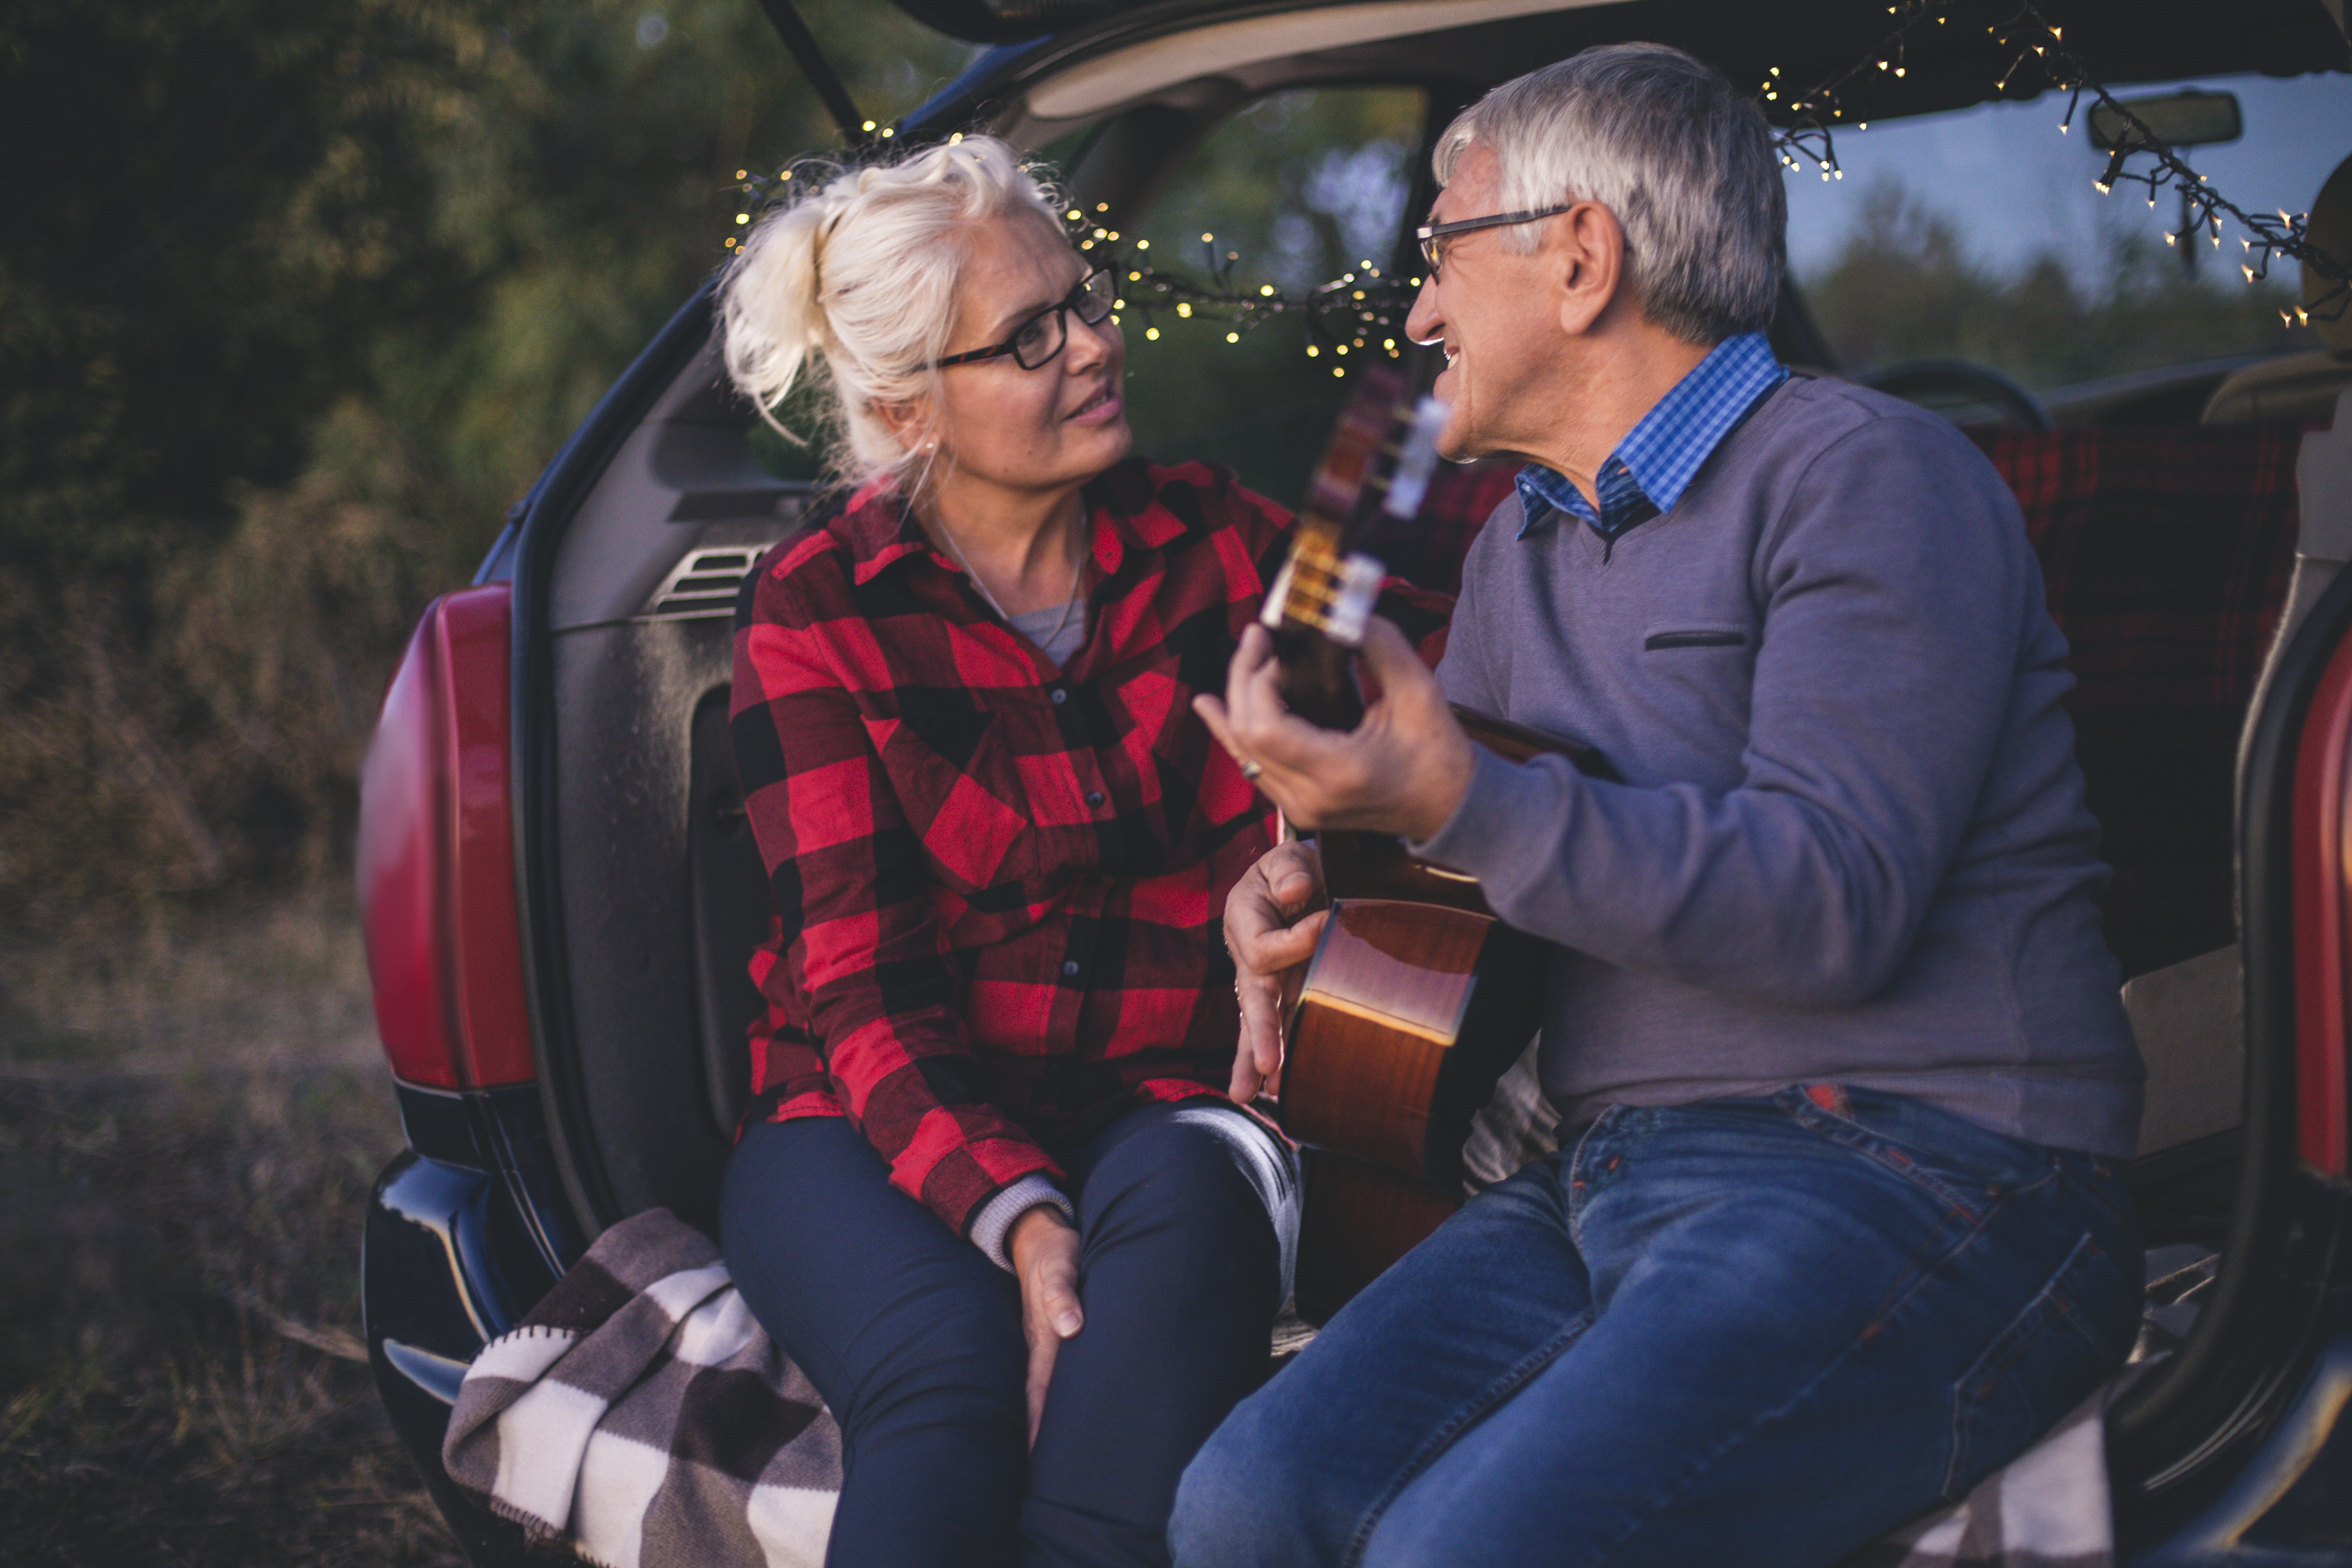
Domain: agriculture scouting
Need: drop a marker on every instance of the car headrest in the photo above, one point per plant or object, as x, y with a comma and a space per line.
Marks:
2331, 231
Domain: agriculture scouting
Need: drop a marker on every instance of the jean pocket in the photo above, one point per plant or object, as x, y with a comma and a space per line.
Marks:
2049, 1359
1967, 1169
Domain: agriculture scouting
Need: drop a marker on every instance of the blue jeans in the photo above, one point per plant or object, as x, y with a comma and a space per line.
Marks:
1185, 1212
1755, 1331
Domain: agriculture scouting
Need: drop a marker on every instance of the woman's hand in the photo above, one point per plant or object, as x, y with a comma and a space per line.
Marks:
1045, 1250
1273, 917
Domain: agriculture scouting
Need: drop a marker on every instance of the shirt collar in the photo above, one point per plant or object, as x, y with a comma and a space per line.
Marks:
1123, 513
1647, 472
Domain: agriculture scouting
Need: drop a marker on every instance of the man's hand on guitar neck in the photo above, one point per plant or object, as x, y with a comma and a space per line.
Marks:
1402, 770
1273, 917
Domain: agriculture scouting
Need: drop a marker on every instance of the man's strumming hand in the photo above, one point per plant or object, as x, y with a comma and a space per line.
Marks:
1402, 770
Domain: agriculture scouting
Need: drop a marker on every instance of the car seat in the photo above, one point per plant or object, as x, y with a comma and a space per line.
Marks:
2303, 386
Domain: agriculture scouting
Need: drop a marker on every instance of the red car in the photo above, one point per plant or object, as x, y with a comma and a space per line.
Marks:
561, 892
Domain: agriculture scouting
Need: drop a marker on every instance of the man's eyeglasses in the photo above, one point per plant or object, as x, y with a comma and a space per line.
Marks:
1037, 341
1429, 234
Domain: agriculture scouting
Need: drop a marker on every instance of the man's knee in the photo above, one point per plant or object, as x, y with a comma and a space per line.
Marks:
1229, 1503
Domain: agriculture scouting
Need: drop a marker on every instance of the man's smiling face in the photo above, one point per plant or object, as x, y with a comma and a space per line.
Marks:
1495, 314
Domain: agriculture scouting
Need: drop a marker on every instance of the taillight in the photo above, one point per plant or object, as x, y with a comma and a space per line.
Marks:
2323, 934
436, 861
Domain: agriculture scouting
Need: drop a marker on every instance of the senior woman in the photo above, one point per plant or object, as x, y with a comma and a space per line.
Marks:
989, 1194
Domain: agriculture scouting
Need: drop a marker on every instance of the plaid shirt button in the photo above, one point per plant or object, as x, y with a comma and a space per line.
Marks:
1060, 697
1069, 966
1094, 797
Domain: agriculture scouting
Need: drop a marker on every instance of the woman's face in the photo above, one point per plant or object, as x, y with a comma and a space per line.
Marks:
1008, 429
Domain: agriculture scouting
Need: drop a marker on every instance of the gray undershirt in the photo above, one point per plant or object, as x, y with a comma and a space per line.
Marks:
1037, 624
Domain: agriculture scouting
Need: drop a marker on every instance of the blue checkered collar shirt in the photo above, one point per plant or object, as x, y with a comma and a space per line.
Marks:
1650, 469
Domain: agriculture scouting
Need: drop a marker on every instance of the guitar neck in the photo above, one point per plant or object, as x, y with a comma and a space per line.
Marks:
1379, 460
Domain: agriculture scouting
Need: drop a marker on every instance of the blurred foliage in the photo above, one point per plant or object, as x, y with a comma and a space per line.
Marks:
297, 298
1904, 286
1297, 189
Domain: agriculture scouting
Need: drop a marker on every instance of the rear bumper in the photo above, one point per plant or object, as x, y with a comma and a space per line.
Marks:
452, 1252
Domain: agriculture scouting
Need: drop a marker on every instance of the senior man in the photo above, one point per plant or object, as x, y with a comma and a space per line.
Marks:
1838, 1224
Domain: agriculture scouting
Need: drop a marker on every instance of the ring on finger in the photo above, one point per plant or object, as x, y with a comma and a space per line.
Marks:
1249, 770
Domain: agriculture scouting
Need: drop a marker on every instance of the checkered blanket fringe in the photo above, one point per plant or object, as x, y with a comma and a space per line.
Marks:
642, 1418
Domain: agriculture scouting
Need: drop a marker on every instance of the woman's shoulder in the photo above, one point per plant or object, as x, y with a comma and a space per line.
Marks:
808, 575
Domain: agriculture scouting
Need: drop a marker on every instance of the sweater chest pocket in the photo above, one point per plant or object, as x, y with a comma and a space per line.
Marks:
960, 793
1673, 639
1708, 664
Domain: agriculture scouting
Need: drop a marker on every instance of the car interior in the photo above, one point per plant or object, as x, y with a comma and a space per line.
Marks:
2164, 508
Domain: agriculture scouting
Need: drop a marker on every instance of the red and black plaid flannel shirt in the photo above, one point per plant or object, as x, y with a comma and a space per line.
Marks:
1000, 885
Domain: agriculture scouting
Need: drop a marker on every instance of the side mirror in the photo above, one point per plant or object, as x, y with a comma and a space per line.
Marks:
2190, 119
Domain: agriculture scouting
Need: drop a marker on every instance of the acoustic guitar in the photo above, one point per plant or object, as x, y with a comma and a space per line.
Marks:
1417, 998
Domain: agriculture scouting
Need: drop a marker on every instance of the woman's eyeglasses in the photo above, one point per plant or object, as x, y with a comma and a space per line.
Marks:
1037, 341
1429, 234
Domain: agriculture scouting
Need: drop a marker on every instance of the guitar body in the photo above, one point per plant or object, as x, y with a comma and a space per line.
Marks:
1416, 1002
1417, 999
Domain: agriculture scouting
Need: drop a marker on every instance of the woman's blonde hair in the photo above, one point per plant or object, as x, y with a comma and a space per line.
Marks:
860, 273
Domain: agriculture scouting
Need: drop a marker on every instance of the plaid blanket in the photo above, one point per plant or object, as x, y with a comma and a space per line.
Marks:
641, 1417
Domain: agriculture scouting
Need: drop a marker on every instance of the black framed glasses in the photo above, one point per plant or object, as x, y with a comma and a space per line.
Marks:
1036, 342
1429, 234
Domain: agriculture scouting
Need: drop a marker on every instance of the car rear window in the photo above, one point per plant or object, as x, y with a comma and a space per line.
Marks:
1291, 191
1978, 235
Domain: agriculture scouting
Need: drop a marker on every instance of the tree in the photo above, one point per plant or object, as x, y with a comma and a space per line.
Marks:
293, 299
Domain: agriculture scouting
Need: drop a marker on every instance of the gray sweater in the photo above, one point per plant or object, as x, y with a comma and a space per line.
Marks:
1850, 844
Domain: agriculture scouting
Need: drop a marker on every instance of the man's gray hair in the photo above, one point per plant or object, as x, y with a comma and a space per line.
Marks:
1667, 145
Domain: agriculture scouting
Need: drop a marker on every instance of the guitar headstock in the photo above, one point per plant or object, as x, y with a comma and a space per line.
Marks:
1378, 461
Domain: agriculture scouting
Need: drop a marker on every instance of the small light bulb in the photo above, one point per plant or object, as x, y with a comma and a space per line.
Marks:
1150, 334
1312, 351
1232, 337
1265, 288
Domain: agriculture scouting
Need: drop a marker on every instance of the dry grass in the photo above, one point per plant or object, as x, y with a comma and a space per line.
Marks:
189, 1123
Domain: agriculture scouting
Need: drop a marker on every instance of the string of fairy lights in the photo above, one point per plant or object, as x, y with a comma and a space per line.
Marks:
1361, 313
2036, 46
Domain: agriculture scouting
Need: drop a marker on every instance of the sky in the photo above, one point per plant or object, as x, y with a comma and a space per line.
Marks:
2015, 186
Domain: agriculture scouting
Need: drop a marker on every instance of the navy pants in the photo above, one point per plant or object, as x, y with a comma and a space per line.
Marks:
1186, 1216
1757, 1333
